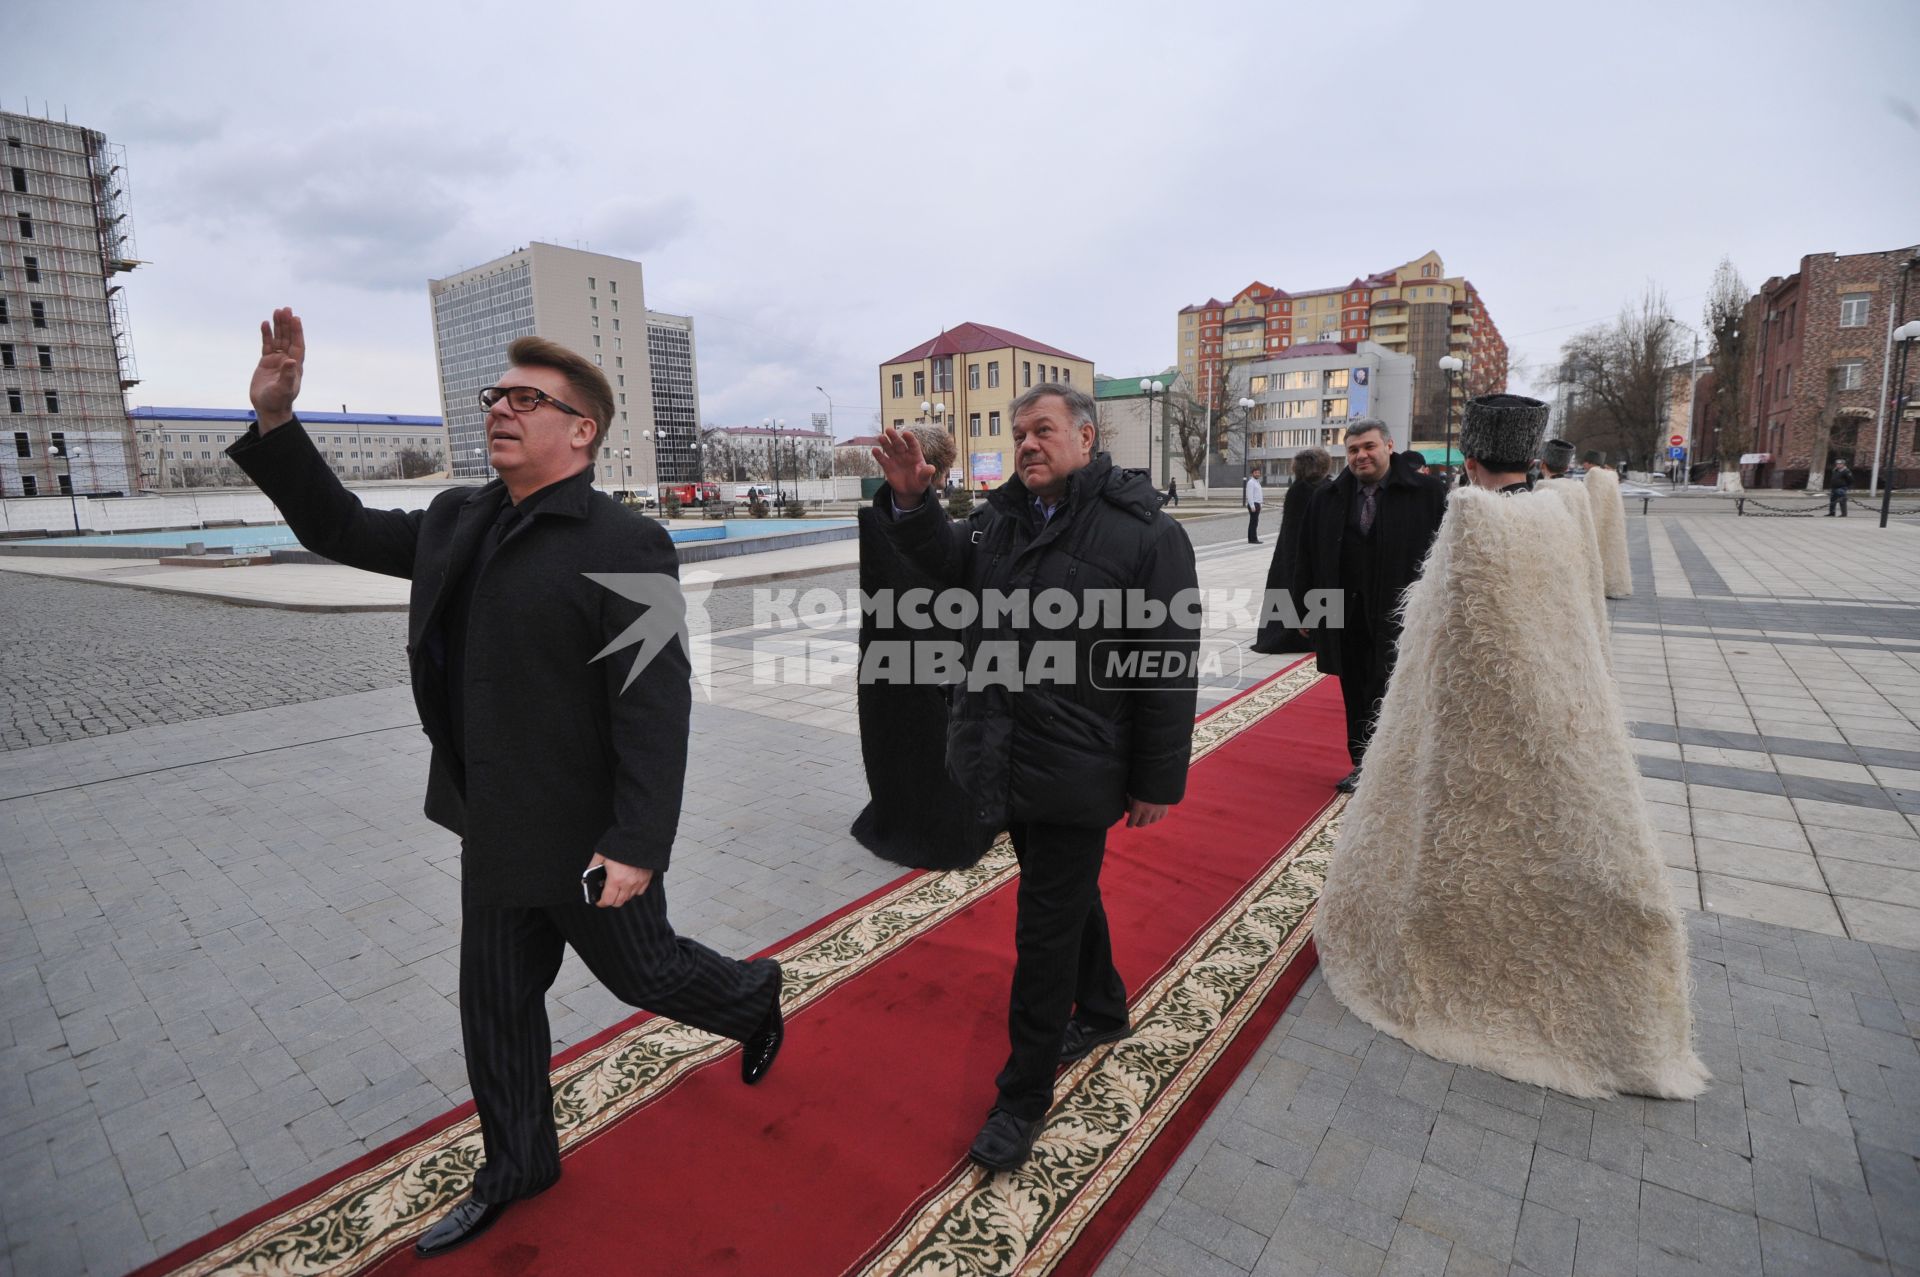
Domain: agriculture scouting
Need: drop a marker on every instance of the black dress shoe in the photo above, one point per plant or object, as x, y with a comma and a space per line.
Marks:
1349, 782
1081, 1039
757, 1052
458, 1227
1004, 1142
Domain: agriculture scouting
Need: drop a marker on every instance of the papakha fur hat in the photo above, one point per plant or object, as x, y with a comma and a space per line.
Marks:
1503, 429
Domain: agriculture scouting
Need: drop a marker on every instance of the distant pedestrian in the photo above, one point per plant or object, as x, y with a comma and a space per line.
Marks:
1173, 492
1253, 496
1838, 481
1310, 469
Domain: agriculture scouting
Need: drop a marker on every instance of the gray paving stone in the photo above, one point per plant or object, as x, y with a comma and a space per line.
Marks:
1465, 1213
1585, 1190
1692, 1229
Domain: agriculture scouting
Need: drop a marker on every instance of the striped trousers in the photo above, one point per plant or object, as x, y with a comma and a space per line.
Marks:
508, 960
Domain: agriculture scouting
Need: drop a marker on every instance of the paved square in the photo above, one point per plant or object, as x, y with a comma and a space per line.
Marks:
226, 935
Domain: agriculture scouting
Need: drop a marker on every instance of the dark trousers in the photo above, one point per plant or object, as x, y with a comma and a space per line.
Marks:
508, 960
1063, 959
1253, 525
1366, 662
1837, 496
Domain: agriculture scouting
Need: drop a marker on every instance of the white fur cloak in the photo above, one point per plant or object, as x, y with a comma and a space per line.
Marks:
1610, 520
1475, 906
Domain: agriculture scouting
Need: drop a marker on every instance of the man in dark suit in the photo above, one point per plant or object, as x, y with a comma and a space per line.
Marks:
1366, 535
552, 764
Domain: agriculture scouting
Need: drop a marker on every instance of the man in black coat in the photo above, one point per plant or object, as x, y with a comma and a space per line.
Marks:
555, 766
1058, 754
1366, 535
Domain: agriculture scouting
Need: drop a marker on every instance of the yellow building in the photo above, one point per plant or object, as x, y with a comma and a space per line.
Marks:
963, 380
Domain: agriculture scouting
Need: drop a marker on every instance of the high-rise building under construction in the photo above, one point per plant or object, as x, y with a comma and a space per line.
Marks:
66, 359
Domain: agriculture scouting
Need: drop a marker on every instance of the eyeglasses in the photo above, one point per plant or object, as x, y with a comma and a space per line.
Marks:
523, 399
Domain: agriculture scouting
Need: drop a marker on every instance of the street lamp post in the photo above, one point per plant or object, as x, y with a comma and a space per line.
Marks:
1246, 407
773, 450
1904, 336
68, 454
1151, 388
1452, 365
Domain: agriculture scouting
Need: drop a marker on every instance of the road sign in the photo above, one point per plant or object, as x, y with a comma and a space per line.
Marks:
1676, 440
1677, 454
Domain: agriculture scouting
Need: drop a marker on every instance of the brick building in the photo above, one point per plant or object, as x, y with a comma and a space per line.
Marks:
1821, 369
1413, 309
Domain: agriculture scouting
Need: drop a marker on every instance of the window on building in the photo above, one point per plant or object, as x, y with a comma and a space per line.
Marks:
1026, 373
1066, 376
1850, 374
46, 356
1853, 310
33, 269
203, 438
6, 354
596, 341
16, 401
993, 374
29, 485
973, 376
616, 325
899, 385
26, 226
53, 401
19, 178
973, 424
613, 285
943, 373
3, 310
592, 283
919, 384
21, 447
596, 321
993, 423
39, 310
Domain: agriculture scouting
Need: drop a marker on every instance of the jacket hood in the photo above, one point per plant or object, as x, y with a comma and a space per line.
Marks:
1130, 490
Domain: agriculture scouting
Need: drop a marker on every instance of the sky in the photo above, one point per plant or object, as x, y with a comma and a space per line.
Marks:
824, 186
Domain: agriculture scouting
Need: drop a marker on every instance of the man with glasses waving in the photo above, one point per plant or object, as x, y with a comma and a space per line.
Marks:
560, 770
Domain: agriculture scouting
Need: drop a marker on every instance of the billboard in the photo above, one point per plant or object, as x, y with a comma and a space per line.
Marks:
1359, 392
984, 467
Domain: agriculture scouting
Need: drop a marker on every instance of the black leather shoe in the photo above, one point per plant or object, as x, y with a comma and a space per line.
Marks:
757, 1052
1004, 1142
1349, 782
1081, 1039
458, 1227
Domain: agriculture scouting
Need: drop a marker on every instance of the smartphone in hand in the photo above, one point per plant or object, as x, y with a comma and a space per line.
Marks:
592, 882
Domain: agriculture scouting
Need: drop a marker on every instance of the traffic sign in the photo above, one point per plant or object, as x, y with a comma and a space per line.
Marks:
1678, 454
1676, 440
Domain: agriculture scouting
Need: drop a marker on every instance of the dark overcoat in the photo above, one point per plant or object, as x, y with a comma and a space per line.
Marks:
559, 761
1406, 520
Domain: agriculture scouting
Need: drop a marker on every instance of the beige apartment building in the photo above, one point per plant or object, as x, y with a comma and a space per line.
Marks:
963, 380
590, 303
1414, 309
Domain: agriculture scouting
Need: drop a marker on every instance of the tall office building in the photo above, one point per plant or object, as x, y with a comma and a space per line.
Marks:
581, 300
676, 397
66, 360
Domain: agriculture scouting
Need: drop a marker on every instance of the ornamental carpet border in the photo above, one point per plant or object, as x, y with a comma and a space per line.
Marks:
347, 1225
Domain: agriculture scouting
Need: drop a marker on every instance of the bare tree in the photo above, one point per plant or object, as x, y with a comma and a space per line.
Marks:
1617, 372
1726, 309
414, 462
857, 462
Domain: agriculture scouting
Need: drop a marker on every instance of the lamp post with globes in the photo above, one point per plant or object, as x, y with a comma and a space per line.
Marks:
69, 453
936, 411
1152, 389
1452, 365
1246, 407
776, 425
1904, 336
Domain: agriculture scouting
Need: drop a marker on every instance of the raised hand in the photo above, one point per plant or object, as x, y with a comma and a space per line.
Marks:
905, 466
276, 381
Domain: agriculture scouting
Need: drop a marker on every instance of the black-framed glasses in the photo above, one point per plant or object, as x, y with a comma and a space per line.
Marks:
523, 399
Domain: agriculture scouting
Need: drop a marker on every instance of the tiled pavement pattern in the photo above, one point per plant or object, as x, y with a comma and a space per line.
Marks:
1772, 672
226, 953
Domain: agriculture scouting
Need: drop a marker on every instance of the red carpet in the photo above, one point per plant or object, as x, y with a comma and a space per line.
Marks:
851, 1155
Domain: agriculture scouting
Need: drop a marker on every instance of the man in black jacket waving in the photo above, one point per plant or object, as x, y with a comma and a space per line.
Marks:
1366, 535
1099, 588
558, 757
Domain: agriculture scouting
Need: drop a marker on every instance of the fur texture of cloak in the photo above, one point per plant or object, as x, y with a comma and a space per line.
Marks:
1585, 580
1610, 520
1467, 910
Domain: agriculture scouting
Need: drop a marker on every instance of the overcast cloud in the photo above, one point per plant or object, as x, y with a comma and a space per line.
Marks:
824, 186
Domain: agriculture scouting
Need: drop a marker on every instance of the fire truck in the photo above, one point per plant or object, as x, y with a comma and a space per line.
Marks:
691, 493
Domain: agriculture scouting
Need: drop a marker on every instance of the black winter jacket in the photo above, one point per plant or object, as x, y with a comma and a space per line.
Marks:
1406, 520
1069, 752
562, 758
